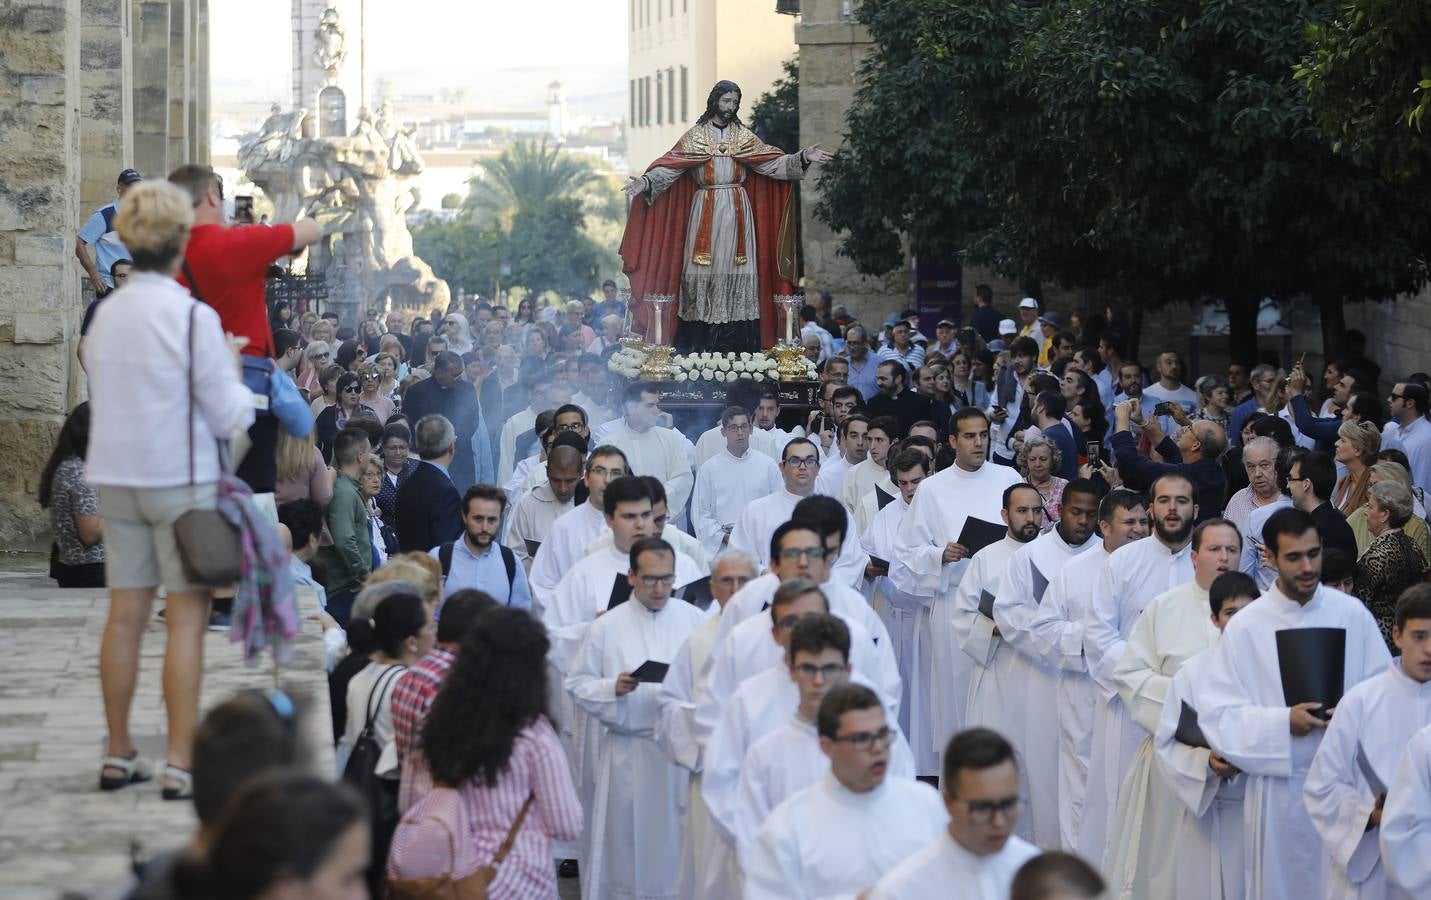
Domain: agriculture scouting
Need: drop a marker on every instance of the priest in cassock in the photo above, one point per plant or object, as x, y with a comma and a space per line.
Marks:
569, 535
636, 817
839, 836
978, 851
1405, 827
1056, 632
1271, 682
860, 479
676, 732
1032, 686
852, 434
536, 512
1135, 574
968, 494
1346, 785
1173, 628
651, 450
729, 481
898, 612
1211, 851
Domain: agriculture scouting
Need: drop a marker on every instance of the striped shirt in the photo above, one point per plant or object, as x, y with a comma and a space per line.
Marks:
537, 767
412, 698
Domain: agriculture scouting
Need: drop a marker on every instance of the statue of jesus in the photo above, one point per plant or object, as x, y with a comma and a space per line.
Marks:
721, 241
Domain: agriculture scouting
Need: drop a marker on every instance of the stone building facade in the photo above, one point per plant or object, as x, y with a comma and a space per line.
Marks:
87, 88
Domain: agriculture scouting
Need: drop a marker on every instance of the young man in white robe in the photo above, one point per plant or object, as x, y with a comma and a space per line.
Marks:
1056, 632
1207, 834
991, 659
1298, 624
1031, 690
1135, 574
788, 758
881, 435
853, 437
729, 481
652, 450
799, 466
1405, 827
636, 817
1175, 627
839, 836
570, 534
900, 609
662, 528
676, 732
978, 854
1346, 785
933, 562
536, 512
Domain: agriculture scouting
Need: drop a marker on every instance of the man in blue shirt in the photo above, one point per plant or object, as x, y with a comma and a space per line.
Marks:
478, 561
99, 230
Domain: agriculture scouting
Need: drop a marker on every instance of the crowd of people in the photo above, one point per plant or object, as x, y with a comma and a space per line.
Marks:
1005, 612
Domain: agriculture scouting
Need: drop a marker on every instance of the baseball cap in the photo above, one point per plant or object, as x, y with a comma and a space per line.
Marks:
996, 345
1007, 326
946, 323
1051, 318
891, 319
130, 176
1028, 303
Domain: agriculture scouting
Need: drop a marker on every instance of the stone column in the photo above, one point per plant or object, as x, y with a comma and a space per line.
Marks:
106, 100
202, 150
151, 87
39, 216
831, 47
179, 109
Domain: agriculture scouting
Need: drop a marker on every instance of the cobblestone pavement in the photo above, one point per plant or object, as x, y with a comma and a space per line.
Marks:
60, 836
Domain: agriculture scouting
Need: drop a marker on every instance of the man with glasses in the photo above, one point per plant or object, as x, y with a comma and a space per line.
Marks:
730, 481
571, 533
799, 467
863, 363
979, 850
1408, 402
842, 834
632, 839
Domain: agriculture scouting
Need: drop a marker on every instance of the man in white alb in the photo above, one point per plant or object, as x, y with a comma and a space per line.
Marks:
536, 512
852, 435
799, 466
1405, 828
729, 481
652, 450
520, 421
573, 531
861, 478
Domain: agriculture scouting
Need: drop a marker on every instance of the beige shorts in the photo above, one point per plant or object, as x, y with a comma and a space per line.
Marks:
139, 534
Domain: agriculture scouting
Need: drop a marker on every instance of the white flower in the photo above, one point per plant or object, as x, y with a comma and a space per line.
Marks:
708, 374
757, 376
720, 376
745, 357
679, 376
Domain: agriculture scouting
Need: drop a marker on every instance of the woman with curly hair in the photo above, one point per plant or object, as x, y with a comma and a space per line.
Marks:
1039, 460
489, 741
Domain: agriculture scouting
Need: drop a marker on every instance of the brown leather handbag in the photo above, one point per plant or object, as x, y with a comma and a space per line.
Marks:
472, 886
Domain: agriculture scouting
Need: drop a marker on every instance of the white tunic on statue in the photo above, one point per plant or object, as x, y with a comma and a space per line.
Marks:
827, 841
725, 486
935, 518
1135, 574
1142, 854
1056, 633
661, 453
1032, 687
1246, 719
899, 613
634, 848
531, 520
755, 527
1209, 864
1405, 827
941, 865
566, 543
1373, 725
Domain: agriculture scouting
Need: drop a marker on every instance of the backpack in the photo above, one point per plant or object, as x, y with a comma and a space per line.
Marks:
441, 820
379, 794
509, 560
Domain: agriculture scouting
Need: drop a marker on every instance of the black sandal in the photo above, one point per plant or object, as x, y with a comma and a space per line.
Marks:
135, 771
183, 779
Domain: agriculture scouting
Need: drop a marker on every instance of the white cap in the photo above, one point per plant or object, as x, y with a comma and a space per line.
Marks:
1007, 326
1028, 303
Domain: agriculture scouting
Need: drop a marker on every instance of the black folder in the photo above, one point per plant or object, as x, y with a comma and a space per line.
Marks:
620, 591
986, 604
1312, 663
1378, 787
698, 592
882, 498
879, 562
651, 672
1040, 583
978, 534
1189, 732
532, 547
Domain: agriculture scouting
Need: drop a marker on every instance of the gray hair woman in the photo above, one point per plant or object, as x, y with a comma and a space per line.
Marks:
1393, 562
164, 390
316, 356
1039, 458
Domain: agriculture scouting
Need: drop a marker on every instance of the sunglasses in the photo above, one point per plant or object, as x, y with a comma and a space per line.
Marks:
351, 389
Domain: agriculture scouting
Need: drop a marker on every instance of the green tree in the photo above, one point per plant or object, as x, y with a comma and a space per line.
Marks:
523, 178
1158, 150
775, 116
452, 201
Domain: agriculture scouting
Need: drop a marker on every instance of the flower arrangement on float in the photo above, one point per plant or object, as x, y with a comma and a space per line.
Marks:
718, 367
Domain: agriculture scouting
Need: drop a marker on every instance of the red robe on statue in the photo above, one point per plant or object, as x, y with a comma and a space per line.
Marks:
653, 249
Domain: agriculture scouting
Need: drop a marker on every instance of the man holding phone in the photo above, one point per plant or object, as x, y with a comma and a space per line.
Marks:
1192, 452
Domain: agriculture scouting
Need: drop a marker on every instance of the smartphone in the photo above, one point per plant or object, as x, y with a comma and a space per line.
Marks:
1092, 451
1163, 409
243, 209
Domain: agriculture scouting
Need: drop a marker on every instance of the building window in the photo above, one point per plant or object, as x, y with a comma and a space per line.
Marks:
632, 120
685, 105
660, 92
658, 11
646, 100
671, 94
633, 15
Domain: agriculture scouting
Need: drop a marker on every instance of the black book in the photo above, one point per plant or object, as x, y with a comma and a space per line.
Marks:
620, 591
532, 547
1378, 787
698, 592
879, 562
978, 534
651, 672
883, 498
1312, 664
1040, 583
986, 604
1189, 732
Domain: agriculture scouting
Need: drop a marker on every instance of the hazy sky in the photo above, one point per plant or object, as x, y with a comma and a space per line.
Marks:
457, 35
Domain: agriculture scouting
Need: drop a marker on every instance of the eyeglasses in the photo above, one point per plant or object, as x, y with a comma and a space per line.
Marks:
801, 462
864, 741
982, 812
657, 580
738, 429
372, 377
806, 670
351, 389
571, 426
738, 580
613, 473
322, 355
1397, 397
793, 553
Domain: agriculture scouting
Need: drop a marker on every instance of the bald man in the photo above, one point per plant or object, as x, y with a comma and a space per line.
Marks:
534, 513
1192, 452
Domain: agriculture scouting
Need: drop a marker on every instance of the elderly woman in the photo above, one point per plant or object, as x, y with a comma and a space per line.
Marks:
373, 396
611, 328
575, 314
335, 418
1356, 448
397, 466
370, 484
327, 393
1214, 398
1038, 459
321, 330
1393, 562
1415, 528
316, 357
458, 333
164, 390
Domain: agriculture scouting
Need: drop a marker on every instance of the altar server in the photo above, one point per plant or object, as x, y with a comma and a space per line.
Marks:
729, 481
652, 450
1032, 686
570, 534
1269, 728
799, 465
842, 834
1135, 574
536, 512
662, 528
1374, 723
634, 844
853, 435
880, 437
1405, 827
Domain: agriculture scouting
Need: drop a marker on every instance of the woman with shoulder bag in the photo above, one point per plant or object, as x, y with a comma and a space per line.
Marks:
156, 356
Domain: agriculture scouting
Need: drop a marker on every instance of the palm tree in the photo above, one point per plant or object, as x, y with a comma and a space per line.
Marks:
523, 179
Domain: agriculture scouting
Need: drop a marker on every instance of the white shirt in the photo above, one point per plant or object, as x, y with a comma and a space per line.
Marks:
683, 544
1416, 439
943, 863
725, 486
832, 475
1136, 573
521, 421
757, 525
1253, 562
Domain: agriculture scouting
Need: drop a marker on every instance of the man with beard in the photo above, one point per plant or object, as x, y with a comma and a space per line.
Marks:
1297, 625
1056, 634
1175, 627
477, 562
932, 563
1031, 689
1135, 574
538, 509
